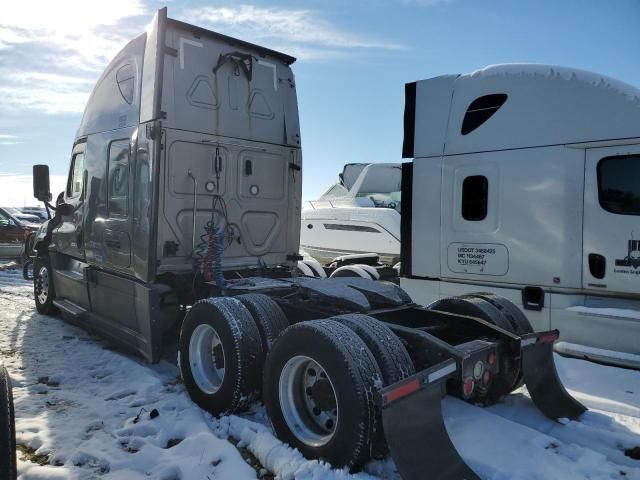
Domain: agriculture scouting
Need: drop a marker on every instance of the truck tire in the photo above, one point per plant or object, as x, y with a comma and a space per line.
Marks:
27, 270
388, 350
220, 355
474, 305
267, 314
351, 271
390, 354
44, 291
8, 470
319, 385
315, 266
519, 322
305, 270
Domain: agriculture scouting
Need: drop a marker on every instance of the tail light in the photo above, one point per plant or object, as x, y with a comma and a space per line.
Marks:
25, 234
486, 378
491, 359
468, 386
548, 337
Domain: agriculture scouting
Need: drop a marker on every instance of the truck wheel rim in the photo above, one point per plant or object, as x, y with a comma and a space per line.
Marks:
308, 401
43, 285
206, 359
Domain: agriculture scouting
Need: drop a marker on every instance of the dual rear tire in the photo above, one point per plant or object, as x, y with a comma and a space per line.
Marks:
318, 378
319, 385
222, 347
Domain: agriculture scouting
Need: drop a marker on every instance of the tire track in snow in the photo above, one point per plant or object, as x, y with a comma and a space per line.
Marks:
517, 451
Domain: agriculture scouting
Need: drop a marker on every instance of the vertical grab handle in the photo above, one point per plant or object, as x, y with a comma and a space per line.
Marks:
195, 208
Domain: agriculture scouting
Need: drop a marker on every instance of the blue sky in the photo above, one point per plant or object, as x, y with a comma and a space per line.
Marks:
353, 60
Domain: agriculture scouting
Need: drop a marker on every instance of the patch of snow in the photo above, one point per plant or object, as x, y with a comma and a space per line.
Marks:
597, 354
565, 73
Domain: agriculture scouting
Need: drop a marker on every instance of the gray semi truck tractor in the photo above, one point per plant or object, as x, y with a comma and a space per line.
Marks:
180, 222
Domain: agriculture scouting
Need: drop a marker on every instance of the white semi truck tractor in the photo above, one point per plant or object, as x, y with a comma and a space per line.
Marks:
180, 223
525, 182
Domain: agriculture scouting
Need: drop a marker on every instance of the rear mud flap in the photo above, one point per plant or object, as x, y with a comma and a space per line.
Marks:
414, 428
542, 380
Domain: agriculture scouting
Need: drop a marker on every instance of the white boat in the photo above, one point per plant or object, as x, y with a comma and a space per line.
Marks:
359, 214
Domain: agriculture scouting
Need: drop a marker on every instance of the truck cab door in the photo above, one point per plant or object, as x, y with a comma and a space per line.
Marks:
611, 237
69, 235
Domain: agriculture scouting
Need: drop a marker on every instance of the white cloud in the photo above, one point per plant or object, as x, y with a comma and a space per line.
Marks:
8, 140
45, 92
17, 190
299, 31
52, 52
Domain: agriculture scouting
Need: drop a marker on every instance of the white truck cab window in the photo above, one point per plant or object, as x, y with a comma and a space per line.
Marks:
475, 195
619, 184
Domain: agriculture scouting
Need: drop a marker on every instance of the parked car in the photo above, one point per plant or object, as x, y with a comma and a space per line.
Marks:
22, 216
13, 233
39, 212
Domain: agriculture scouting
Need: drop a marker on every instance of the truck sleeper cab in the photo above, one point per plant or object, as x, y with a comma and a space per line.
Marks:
526, 183
185, 128
181, 221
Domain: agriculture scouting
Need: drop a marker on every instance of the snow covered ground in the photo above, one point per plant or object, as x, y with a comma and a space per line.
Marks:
85, 410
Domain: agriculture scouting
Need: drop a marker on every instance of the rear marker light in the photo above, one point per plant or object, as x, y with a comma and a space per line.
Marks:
402, 391
548, 337
467, 387
491, 359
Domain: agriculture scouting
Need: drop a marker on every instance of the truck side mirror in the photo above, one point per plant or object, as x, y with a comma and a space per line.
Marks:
41, 183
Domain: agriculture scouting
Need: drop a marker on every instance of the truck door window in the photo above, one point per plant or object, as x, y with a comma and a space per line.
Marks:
619, 184
76, 179
119, 178
475, 194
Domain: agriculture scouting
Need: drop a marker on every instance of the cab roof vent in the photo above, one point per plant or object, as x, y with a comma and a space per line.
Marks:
480, 110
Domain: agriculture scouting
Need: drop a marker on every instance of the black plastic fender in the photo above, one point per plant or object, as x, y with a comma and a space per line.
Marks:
542, 380
414, 428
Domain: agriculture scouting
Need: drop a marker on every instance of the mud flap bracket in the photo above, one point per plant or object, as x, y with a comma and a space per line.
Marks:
414, 428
